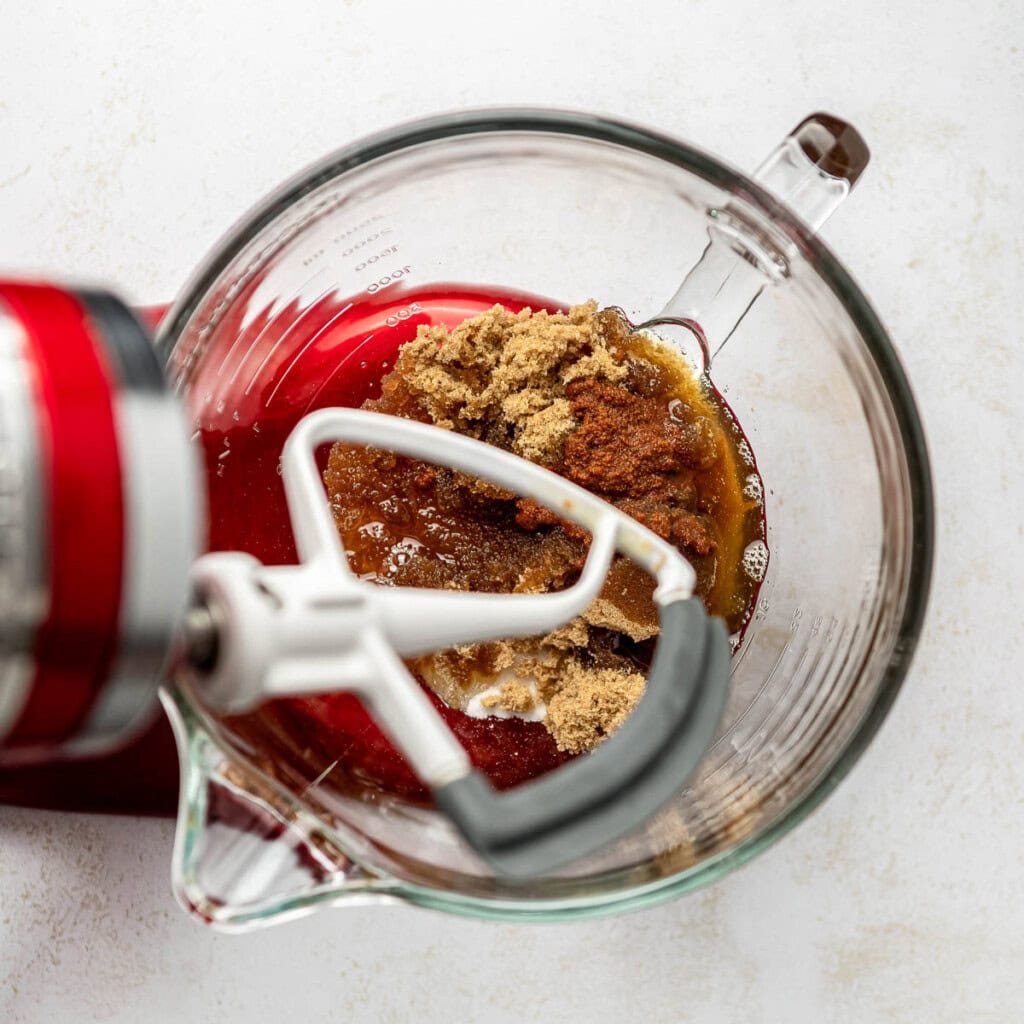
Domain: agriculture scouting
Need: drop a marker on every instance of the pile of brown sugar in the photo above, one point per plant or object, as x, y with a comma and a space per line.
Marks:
575, 392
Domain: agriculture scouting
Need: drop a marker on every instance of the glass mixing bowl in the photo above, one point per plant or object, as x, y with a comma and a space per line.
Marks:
572, 207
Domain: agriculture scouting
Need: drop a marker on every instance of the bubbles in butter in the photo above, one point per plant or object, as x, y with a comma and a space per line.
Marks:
753, 489
401, 552
755, 560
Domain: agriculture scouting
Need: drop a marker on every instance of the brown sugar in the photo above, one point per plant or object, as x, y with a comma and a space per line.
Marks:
607, 615
503, 371
515, 697
591, 704
573, 634
582, 704
609, 410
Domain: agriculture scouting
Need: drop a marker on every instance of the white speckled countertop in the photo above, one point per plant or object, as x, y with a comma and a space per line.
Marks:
131, 135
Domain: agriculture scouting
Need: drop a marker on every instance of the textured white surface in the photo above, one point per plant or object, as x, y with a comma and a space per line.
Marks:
132, 134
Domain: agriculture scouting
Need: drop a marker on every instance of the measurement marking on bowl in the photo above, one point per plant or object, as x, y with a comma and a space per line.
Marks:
825, 665
760, 690
280, 341
405, 313
241, 334
231, 351
388, 279
775, 720
302, 351
356, 246
259, 337
731, 761
376, 258
333, 376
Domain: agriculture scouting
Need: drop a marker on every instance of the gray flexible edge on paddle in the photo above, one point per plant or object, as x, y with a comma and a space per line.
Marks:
599, 797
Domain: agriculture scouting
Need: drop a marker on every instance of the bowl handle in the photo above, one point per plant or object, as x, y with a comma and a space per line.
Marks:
246, 853
810, 172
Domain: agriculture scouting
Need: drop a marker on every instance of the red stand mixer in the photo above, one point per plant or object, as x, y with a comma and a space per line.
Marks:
120, 534
70, 445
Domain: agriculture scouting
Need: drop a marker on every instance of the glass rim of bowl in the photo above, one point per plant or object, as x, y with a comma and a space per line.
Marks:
825, 265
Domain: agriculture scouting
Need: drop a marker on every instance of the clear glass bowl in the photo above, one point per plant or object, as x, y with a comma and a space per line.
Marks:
573, 207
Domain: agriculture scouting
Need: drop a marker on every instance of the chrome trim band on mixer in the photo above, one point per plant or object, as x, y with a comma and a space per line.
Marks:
160, 486
23, 589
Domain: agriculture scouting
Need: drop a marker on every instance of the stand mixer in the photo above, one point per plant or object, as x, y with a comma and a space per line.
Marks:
82, 666
104, 595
